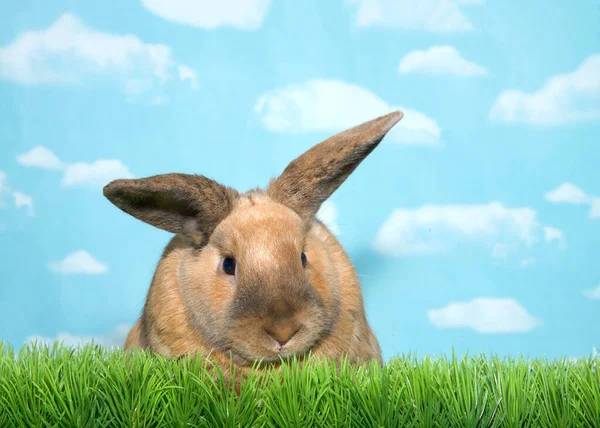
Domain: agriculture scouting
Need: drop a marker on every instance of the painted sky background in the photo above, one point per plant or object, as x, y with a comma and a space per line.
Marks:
474, 225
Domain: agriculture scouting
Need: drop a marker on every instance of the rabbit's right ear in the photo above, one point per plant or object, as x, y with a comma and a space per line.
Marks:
190, 205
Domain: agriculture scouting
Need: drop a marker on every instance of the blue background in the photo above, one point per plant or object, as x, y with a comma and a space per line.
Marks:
497, 221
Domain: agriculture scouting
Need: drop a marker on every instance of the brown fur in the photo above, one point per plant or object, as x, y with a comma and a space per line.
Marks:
191, 205
193, 306
311, 178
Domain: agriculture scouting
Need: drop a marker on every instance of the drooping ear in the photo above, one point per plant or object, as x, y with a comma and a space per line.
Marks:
190, 205
312, 177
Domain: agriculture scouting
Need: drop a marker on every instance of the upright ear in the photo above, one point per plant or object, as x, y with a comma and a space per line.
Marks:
312, 177
190, 205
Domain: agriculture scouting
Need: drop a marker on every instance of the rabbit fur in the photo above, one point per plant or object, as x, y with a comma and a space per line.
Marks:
276, 303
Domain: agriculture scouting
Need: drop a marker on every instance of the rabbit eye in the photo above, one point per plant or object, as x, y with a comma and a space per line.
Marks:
303, 258
229, 265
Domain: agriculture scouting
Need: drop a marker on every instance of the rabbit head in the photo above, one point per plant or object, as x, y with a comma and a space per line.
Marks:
255, 271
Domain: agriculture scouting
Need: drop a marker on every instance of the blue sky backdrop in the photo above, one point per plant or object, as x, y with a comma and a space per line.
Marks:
474, 225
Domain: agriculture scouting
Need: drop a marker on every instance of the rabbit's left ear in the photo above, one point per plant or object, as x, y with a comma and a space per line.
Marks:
313, 177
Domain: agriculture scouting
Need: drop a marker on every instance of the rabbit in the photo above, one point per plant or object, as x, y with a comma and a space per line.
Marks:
255, 276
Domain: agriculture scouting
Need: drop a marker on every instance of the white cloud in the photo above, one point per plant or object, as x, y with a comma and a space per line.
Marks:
40, 157
23, 200
567, 193
20, 199
592, 293
439, 60
435, 228
68, 47
485, 315
83, 174
187, 73
321, 105
115, 338
565, 98
440, 16
69, 51
328, 215
96, 174
78, 262
554, 234
242, 14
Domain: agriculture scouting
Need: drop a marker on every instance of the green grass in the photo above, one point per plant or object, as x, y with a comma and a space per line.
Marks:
92, 386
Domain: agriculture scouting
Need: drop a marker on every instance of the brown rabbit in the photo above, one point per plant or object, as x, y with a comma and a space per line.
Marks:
254, 276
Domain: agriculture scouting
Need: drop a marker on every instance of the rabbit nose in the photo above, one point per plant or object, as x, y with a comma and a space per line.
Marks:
283, 334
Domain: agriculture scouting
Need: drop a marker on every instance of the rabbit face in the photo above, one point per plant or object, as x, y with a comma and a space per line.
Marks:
252, 291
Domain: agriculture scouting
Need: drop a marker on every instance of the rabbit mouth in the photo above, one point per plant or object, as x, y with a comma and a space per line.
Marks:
267, 339
269, 356
281, 356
